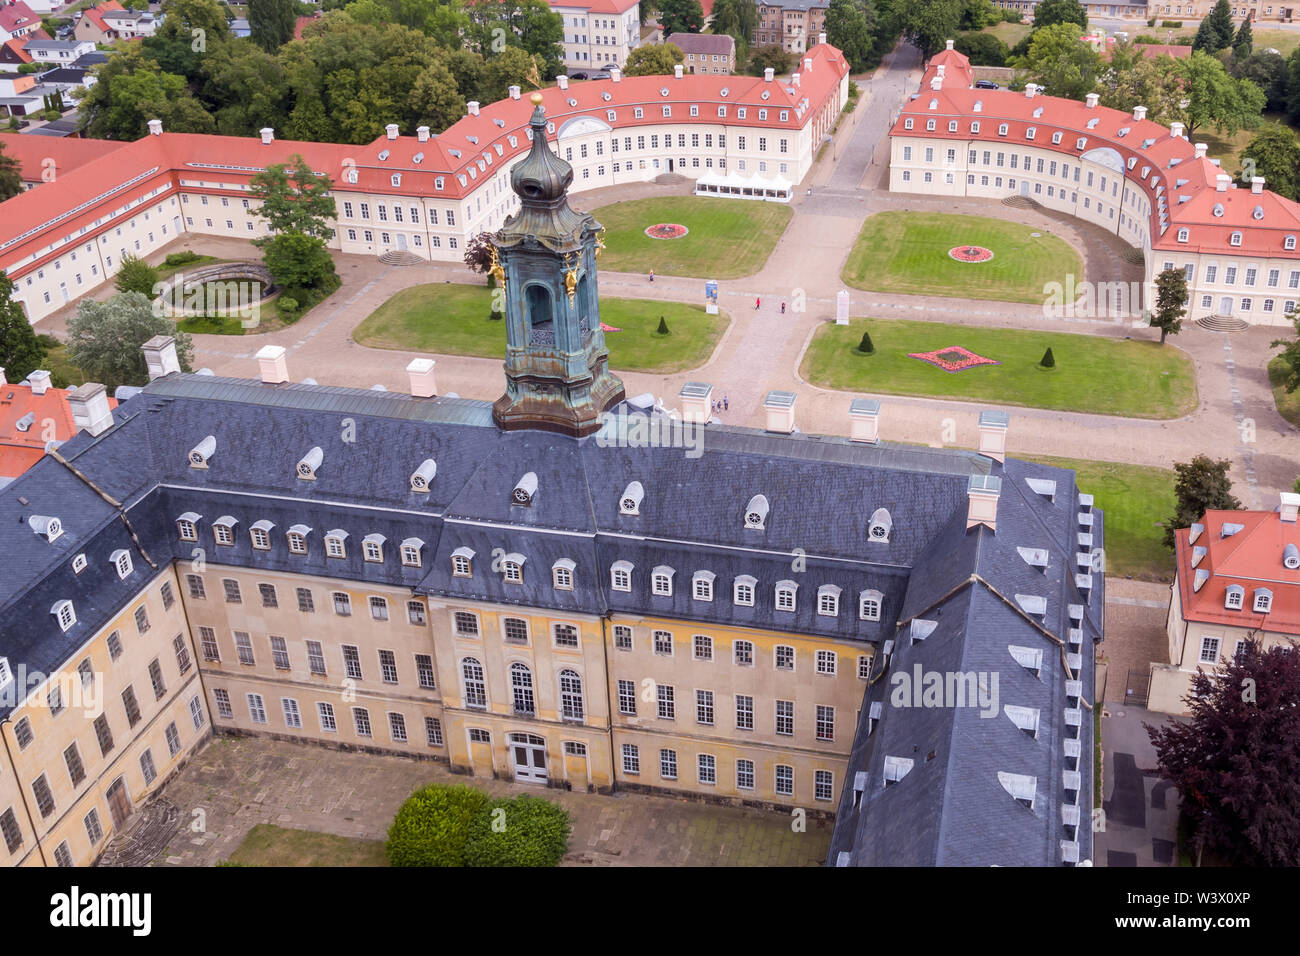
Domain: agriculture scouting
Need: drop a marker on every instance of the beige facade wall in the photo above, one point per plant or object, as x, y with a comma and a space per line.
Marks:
596, 41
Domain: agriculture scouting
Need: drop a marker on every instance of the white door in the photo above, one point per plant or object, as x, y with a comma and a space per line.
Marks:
1024, 187
401, 242
1225, 306
529, 754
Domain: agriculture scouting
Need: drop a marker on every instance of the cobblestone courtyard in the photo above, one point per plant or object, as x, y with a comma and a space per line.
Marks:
239, 782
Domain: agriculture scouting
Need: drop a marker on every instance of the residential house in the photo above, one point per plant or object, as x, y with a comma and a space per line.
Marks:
598, 34
706, 52
34, 417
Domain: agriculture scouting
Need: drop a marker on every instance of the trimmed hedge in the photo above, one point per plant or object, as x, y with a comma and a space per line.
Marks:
432, 826
525, 831
460, 826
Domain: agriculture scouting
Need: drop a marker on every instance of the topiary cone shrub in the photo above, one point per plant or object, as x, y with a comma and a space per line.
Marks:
1049, 360
663, 326
865, 346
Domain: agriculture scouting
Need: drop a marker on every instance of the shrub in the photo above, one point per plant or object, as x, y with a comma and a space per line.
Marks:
136, 275
181, 258
433, 825
1151, 22
1049, 360
1172, 24
525, 831
865, 346
663, 326
288, 304
51, 115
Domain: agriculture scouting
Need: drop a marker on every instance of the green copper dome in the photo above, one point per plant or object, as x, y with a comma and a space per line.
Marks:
541, 181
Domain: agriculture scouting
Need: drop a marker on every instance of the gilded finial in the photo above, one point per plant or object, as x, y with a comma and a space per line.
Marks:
536, 98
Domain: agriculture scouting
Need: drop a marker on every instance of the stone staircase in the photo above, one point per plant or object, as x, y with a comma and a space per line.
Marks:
1021, 202
1223, 323
145, 837
402, 257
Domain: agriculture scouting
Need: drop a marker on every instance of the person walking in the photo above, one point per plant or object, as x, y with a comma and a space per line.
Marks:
652, 275
783, 308
757, 302
725, 404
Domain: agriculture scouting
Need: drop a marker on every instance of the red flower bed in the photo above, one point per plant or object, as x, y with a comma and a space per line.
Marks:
666, 230
953, 359
970, 253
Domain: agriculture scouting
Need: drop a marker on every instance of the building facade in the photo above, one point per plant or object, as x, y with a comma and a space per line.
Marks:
794, 25
706, 52
598, 34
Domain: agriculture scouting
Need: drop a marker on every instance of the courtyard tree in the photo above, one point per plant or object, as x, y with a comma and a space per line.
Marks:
847, 27
21, 351
929, 24
738, 19
300, 262
271, 22
1050, 12
1150, 82
135, 275
680, 16
432, 827
1236, 759
104, 339
1290, 359
1211, 96
11, 176
1200, 485
1274, 153
653, 60
772, 56
1059, 61
293, 199
480, 254
535, 832
1170, 304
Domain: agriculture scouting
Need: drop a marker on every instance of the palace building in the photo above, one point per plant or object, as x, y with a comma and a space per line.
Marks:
1144, 182
425, 195
529, 589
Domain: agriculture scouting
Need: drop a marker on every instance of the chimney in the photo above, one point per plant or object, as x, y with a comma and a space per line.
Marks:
1289, 508
615, 74
268, 135
993, 434
794, 79
1139, 112
1176, 130
89, 406
422, 134
865, 414
940, 69
420, 372
821, 38
1256, 185
39, 381
155, 127
1030, 90
391, 129
982, 492
271, 361
696, 404
3, 380
948, 45
472, 107
807, 62
1091, 100
779, 407
1221, 182
1200, 150
514, 92
160, 356
936, 83
562, 82
677, 71
768, 74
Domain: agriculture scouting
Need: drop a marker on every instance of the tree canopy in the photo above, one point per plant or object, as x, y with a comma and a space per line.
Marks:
1200, 485
680, 16
929, 24
104, 339
294, 199
1274, 153
271, 22
849, 26
1060, 62
21, 351
1050, 12
651, 60
11, 176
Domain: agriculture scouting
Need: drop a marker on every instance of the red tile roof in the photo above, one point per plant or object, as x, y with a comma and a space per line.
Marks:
13, 52
58, 155
1252, 558
302, 23
51, 421
598, 6
17, 15
1163, 166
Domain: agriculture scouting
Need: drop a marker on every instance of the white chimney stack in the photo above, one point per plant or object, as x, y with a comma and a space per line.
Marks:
3, 380
160, 356
779, 408
1030, 90
615, 74
1139, 112
39, 381
768, 74
472, 107
1201, 150
982, 493
391, 129
422, 134
562, 82
89, 406
1091, 100
865, 416
420, 372
268, 134
1176, 130
993, 434
155, 127
936, 83
807, 61
1221, 182
821, 38
514, 92
677, 71
794, 79
697, 405
274, 367
1289, 508
947, 44
1257, 185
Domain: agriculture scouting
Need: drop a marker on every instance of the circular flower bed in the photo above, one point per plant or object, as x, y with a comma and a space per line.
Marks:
666, 230
970, 253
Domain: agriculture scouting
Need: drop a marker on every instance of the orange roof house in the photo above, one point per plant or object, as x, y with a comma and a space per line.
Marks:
32, 415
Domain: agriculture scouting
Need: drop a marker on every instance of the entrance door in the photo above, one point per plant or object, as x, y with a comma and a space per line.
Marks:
176, 224
119, 804
670, 165
1024, 187
1225, 306
529, 752
401, 242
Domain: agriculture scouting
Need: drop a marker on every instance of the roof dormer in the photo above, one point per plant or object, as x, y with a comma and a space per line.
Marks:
201, 453
525, 490
47, 526
309, 463
756, 513
422, 477
630, 502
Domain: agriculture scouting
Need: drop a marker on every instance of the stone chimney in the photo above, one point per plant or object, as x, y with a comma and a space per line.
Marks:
1030, 90
3, 380
422, 134
993, 434
947, 45
982, 493
678, 69
865, 415
1091, 99
472, 107
155, 127
1200, 150
1256, 185
268, 135
696, 402
562, 82
271, 361
615, 74
1176, 130
420, 372
1139, 113
391, 129
779, 408
768, 74
1221, 182
39, 381
89, 406
514, 92
160, 356
1289, 507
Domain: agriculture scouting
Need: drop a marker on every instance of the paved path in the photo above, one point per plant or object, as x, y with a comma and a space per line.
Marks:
1141, 808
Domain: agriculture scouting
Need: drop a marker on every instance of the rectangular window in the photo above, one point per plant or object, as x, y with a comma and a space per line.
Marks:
94, 831
415, 613
115, 645
76, 769
1209, 650
196, 712
244, 644
167, 595
784, 780
424, 671
156, 679
388, 667
864, 667
397, 727
268, 595
784, 657
742, 653
131, 706
622, 637
224, 710
708, 769
279, 653
147, 769
173, 737
315, 658
352, 661
342, 604
744, 774
631, 759
665, 699
232, 591
704, 707
825, 722
744, 712
378, 608
433, 731
668, 764
703, 647
305, 602
9, 827
627, 697
44, 798
663, 643
566, 635
141, 619
325, 713
361, 721
466, 624
785, 718
256, 708
826, 662
182, 652
823, 785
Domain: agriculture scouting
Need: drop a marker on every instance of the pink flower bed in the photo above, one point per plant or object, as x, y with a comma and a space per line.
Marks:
953, 359
666, 230
970, 253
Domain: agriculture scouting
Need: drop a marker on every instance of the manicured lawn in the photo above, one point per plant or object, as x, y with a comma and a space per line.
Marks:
728, 238
1092, 374
267, 845
1288, 405
1137, 500
908, 252
453, 319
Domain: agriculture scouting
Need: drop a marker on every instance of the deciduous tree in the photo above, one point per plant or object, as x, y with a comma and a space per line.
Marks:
11, 176
298, 261
1274, 153
1170, 304
1059, 61
131, 90
1060, 11
929, 24
1200, 485
653, 60
770, 56
271, 22
294, 199
104, 339
1290, 359
680, 16
848, 29
1213, 97
135, 275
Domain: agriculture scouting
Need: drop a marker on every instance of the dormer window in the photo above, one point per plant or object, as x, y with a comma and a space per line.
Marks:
1031, 132
896, 768
869, 604
260, 535
743, 591
880, 526
907, 123
1020, 786
423, 476
410, 550
1030, 658
372, 548
525, 490
121, 559
828, 600
562, 574
1183, 235
702, 585
223, 530
187, 526
200, 453
620, 576
336, 544
1056, 138
1026, 718
512, 568
1288, 242
1234, 597
630, 502
1263, 600
78, 564
661, 581
1235, 239
461, 566
310, 463
297, 538
975, 124
756, 513
1002, 129
785, 591
64, 614
47, 527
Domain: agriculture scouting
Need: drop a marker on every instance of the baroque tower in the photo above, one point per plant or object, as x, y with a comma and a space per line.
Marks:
557, 363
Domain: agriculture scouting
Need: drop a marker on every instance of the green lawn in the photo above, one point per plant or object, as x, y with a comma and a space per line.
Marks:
57, 364
728, 238
1092, 374
1288, 404
908, 252
267, 845
453, 319
1137, 500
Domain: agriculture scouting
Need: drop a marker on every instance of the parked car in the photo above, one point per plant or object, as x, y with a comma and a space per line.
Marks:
600, 75
986, 85
577, 76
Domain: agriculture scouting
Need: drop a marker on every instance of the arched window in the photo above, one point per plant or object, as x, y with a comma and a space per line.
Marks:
584, 305
571, 695
475, 688
869, 605
743, 592
540, 313
521, 687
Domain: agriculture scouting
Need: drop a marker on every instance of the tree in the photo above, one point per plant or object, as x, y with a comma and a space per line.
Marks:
1268, 71
929, 24
1290, 359
1171, 302
104, 339
536, 833
11, 175
136, 275
1153, 83
1059, 61
130, 90
530, 25
1274, 153
1243, 42
444, 22
298, 261
848, 29
977, 14
651, 60
21, 351
983, 49
1048, 360
738, 19
772, 57
190, 32
271, 22
294, 200
432, 827
663, 327
680, 16
1050, 12
865, 346
511, 67
1212, 96
1200, 485
1236, 760
480, 253
1215, 32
